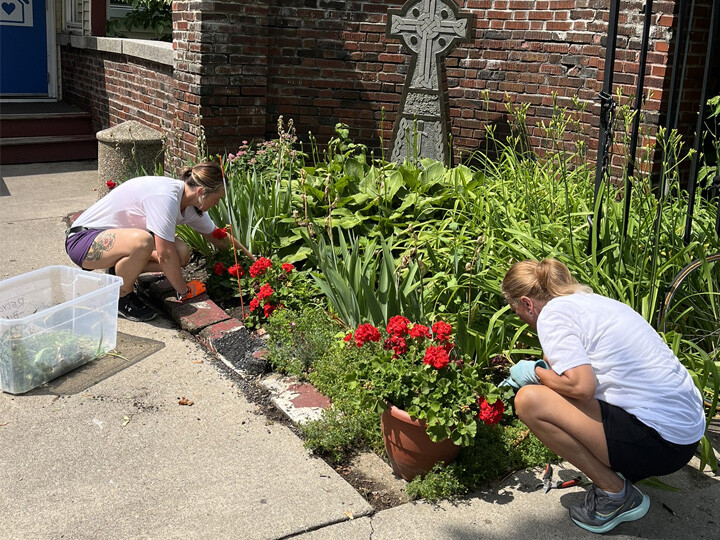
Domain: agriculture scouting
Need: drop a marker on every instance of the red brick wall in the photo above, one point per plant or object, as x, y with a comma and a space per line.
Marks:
239, 65
115, 88
220, 73
331, 61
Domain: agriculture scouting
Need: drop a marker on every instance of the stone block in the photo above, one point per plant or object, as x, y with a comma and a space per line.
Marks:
196, 314
126, 150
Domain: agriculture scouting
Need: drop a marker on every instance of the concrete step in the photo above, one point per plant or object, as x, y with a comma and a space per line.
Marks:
49, 124
47, 148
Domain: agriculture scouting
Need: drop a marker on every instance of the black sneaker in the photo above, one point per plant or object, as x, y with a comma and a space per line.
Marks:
599, 513
134, 309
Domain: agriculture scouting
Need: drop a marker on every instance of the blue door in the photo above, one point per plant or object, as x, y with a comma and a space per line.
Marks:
23, 48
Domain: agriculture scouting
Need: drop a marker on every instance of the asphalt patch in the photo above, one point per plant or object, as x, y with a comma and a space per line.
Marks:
128, 350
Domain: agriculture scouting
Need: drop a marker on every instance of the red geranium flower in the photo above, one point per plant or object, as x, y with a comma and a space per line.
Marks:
398, 325
397, 344
269, 308
366, 332
348, 337
491, 414
236, 271
110, 184
254, 303
219, 269
260, 266
287, 267
420, 332
437, 357
220, 233
442, 331
265, 291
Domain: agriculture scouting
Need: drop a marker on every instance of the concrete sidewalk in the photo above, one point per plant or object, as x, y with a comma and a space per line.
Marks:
122, 459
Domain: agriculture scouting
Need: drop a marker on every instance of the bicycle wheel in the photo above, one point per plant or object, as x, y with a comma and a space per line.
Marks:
692, 305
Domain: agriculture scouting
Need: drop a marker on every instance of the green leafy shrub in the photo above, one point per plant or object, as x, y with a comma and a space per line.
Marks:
154, 16
298, 338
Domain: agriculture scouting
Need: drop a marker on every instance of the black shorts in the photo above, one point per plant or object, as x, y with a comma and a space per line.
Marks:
636, 450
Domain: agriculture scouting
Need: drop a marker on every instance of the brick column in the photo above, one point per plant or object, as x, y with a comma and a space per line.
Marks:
220, 74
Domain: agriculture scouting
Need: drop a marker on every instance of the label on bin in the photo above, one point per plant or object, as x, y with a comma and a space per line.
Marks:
12, 309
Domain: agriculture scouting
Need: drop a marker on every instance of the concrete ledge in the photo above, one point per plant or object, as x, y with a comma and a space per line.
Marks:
301, 402
160, 52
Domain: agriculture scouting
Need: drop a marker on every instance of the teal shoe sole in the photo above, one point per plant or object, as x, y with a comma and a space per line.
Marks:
631, 515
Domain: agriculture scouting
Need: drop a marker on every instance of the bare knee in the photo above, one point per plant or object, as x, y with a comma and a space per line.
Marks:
141, 241
183, 252
530, 402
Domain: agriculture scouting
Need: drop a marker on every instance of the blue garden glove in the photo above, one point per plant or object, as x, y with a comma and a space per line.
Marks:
523, 373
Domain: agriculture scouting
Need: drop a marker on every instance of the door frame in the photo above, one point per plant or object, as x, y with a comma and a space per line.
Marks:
52, 60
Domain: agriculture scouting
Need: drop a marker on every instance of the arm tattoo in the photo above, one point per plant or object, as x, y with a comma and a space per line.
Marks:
103, 242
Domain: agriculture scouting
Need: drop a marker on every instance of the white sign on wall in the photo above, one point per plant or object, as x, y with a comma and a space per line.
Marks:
16, 13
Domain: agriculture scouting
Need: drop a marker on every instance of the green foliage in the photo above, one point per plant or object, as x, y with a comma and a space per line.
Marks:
365, 287
262, 196
150, 15
495, 452
337, 434
298, 338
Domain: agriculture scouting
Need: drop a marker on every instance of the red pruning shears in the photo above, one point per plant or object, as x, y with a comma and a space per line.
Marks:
548, 484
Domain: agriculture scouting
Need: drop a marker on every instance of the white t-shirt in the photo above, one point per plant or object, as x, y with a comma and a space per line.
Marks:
148, 202
635, 369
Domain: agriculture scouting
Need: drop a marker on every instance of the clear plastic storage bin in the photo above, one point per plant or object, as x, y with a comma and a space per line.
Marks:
53, 320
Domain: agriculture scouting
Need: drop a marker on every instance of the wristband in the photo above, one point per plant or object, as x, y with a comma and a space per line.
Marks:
182, 296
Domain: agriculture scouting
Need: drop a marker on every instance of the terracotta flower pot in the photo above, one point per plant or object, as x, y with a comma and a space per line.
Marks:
409, 448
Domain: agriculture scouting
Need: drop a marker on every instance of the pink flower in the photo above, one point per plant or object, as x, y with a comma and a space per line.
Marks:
491, 414
437, 357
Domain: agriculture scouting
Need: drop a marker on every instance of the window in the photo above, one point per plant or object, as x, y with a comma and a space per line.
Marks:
74, 16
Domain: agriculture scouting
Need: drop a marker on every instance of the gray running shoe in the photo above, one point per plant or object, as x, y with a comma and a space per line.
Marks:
599, 513
134, 309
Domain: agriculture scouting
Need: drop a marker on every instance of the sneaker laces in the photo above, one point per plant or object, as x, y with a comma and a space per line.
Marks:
590, 501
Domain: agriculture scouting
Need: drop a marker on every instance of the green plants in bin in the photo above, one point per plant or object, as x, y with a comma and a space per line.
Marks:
31, 359
418, 369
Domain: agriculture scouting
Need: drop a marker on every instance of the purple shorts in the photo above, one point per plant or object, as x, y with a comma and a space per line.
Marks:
78, 244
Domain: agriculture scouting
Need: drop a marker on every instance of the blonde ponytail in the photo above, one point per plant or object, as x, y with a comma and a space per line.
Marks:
540, 280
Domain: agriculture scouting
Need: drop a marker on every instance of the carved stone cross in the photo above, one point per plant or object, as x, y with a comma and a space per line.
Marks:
429, 29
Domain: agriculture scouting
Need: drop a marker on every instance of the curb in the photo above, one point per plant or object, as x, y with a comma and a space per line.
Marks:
226, 338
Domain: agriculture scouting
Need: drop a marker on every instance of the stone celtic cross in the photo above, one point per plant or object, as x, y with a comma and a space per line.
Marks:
429, 29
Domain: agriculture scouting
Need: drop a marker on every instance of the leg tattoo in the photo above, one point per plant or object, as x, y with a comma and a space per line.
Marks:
103, 242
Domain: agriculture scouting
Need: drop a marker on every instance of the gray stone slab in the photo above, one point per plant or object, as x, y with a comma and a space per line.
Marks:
44, 190
124, 456
517, 510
